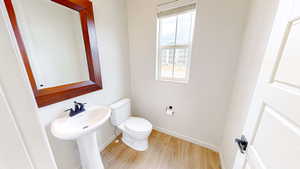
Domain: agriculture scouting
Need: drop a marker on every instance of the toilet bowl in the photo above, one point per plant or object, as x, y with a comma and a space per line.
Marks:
135, 130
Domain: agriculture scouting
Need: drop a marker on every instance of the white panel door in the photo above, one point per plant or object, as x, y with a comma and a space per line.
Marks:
13, 153
273, 123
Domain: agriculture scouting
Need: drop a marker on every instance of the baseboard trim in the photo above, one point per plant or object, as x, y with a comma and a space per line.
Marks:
108, 141
187, 138
174, 134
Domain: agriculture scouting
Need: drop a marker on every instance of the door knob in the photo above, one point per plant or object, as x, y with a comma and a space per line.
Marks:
242, 143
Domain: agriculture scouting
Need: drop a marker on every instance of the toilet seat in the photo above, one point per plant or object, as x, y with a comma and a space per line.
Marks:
138, 125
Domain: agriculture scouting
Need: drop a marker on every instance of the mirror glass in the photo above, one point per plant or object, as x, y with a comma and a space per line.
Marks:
54, 42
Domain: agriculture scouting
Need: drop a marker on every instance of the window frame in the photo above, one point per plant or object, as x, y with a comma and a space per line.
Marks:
188, 46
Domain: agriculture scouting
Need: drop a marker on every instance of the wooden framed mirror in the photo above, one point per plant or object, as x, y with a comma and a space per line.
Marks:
57, 90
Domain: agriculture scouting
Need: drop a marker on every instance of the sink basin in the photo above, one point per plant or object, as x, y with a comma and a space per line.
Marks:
82, 128
70, 128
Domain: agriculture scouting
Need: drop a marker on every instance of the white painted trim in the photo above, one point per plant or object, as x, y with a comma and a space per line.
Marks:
104, 144
193, 140
188, 46
171, 133
187, 138
174, 134
174, 4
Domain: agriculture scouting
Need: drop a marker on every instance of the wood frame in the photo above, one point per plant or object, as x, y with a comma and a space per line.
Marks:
56, 94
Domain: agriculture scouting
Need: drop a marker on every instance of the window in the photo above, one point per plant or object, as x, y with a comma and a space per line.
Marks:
175, 32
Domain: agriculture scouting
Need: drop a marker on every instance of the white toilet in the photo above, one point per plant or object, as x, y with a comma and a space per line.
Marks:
135, 130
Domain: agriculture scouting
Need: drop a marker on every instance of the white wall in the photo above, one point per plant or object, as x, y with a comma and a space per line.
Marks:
200, 105
256, 35
111, 29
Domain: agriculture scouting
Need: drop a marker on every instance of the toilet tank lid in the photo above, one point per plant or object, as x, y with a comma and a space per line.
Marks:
120, 103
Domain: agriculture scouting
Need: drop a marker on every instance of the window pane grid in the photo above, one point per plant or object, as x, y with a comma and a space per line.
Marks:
175, 37
166, 66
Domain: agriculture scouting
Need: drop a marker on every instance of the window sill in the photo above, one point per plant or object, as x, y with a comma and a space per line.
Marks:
183, 82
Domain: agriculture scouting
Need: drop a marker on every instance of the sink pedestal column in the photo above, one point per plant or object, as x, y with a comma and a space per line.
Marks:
89, 152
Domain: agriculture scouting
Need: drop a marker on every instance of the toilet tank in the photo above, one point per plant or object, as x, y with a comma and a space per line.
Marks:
120, 111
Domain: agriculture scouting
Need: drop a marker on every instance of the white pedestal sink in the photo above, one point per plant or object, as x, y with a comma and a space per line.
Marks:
82, 129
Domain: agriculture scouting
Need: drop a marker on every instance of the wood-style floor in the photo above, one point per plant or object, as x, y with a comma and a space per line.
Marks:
164, 152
